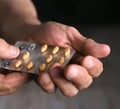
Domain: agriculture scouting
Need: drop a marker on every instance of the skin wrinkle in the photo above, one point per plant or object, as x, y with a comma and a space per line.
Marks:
27, 25
84, 79
3, 87
69, 92
47, 87
98, 67
4, 91
70, 36
57, 77
8, 86
87, 83
54, 31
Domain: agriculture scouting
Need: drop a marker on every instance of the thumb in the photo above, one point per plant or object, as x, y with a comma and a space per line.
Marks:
95, 49
88, 46
7, 51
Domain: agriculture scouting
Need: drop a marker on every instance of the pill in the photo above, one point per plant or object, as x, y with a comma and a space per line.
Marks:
67, 52
44, 48
55, 50
35, 57
29, 65
61, 60
42, 67
26, 55
18, 63
49, 58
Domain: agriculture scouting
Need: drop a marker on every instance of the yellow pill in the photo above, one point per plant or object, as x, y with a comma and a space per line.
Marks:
18, 63
29, 65
67, 52
42, 67
26, 55
44, 48
61, 60
49, 58
55, 50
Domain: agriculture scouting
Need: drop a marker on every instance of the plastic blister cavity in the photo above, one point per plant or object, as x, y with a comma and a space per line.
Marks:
36, 58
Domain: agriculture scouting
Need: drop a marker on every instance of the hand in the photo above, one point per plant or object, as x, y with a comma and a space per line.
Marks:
21, 22
83, 68
10, 82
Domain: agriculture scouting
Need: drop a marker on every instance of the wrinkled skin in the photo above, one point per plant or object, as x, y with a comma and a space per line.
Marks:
79, 74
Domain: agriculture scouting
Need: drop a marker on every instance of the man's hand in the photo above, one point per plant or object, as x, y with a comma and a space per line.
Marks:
21, 23
82, 68
10, 82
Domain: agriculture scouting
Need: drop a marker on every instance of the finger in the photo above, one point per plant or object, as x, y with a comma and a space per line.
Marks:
93, 65
66, 87
46, 82
85, 45
78, 75
67, 36
10, 83
7, 51
90, 47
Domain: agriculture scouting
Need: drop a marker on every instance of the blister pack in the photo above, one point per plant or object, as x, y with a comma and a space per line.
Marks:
36, 58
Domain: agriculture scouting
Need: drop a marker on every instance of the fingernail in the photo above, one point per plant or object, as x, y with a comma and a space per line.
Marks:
14, 50
107, 49
89, 63
55, 70
72, 73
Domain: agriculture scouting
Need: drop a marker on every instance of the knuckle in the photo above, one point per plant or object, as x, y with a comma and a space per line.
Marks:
3, 45
101, 67
97, 67
70, 30
85, 85
5, 90
49, 88
10, 88
46, 84
2, 42
99, 70
50, 91
71, 92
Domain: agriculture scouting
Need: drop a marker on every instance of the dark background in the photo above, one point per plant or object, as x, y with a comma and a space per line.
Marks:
82, 11
98, 19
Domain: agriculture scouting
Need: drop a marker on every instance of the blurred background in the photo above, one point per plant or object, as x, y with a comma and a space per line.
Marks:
82, 11
97, 19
